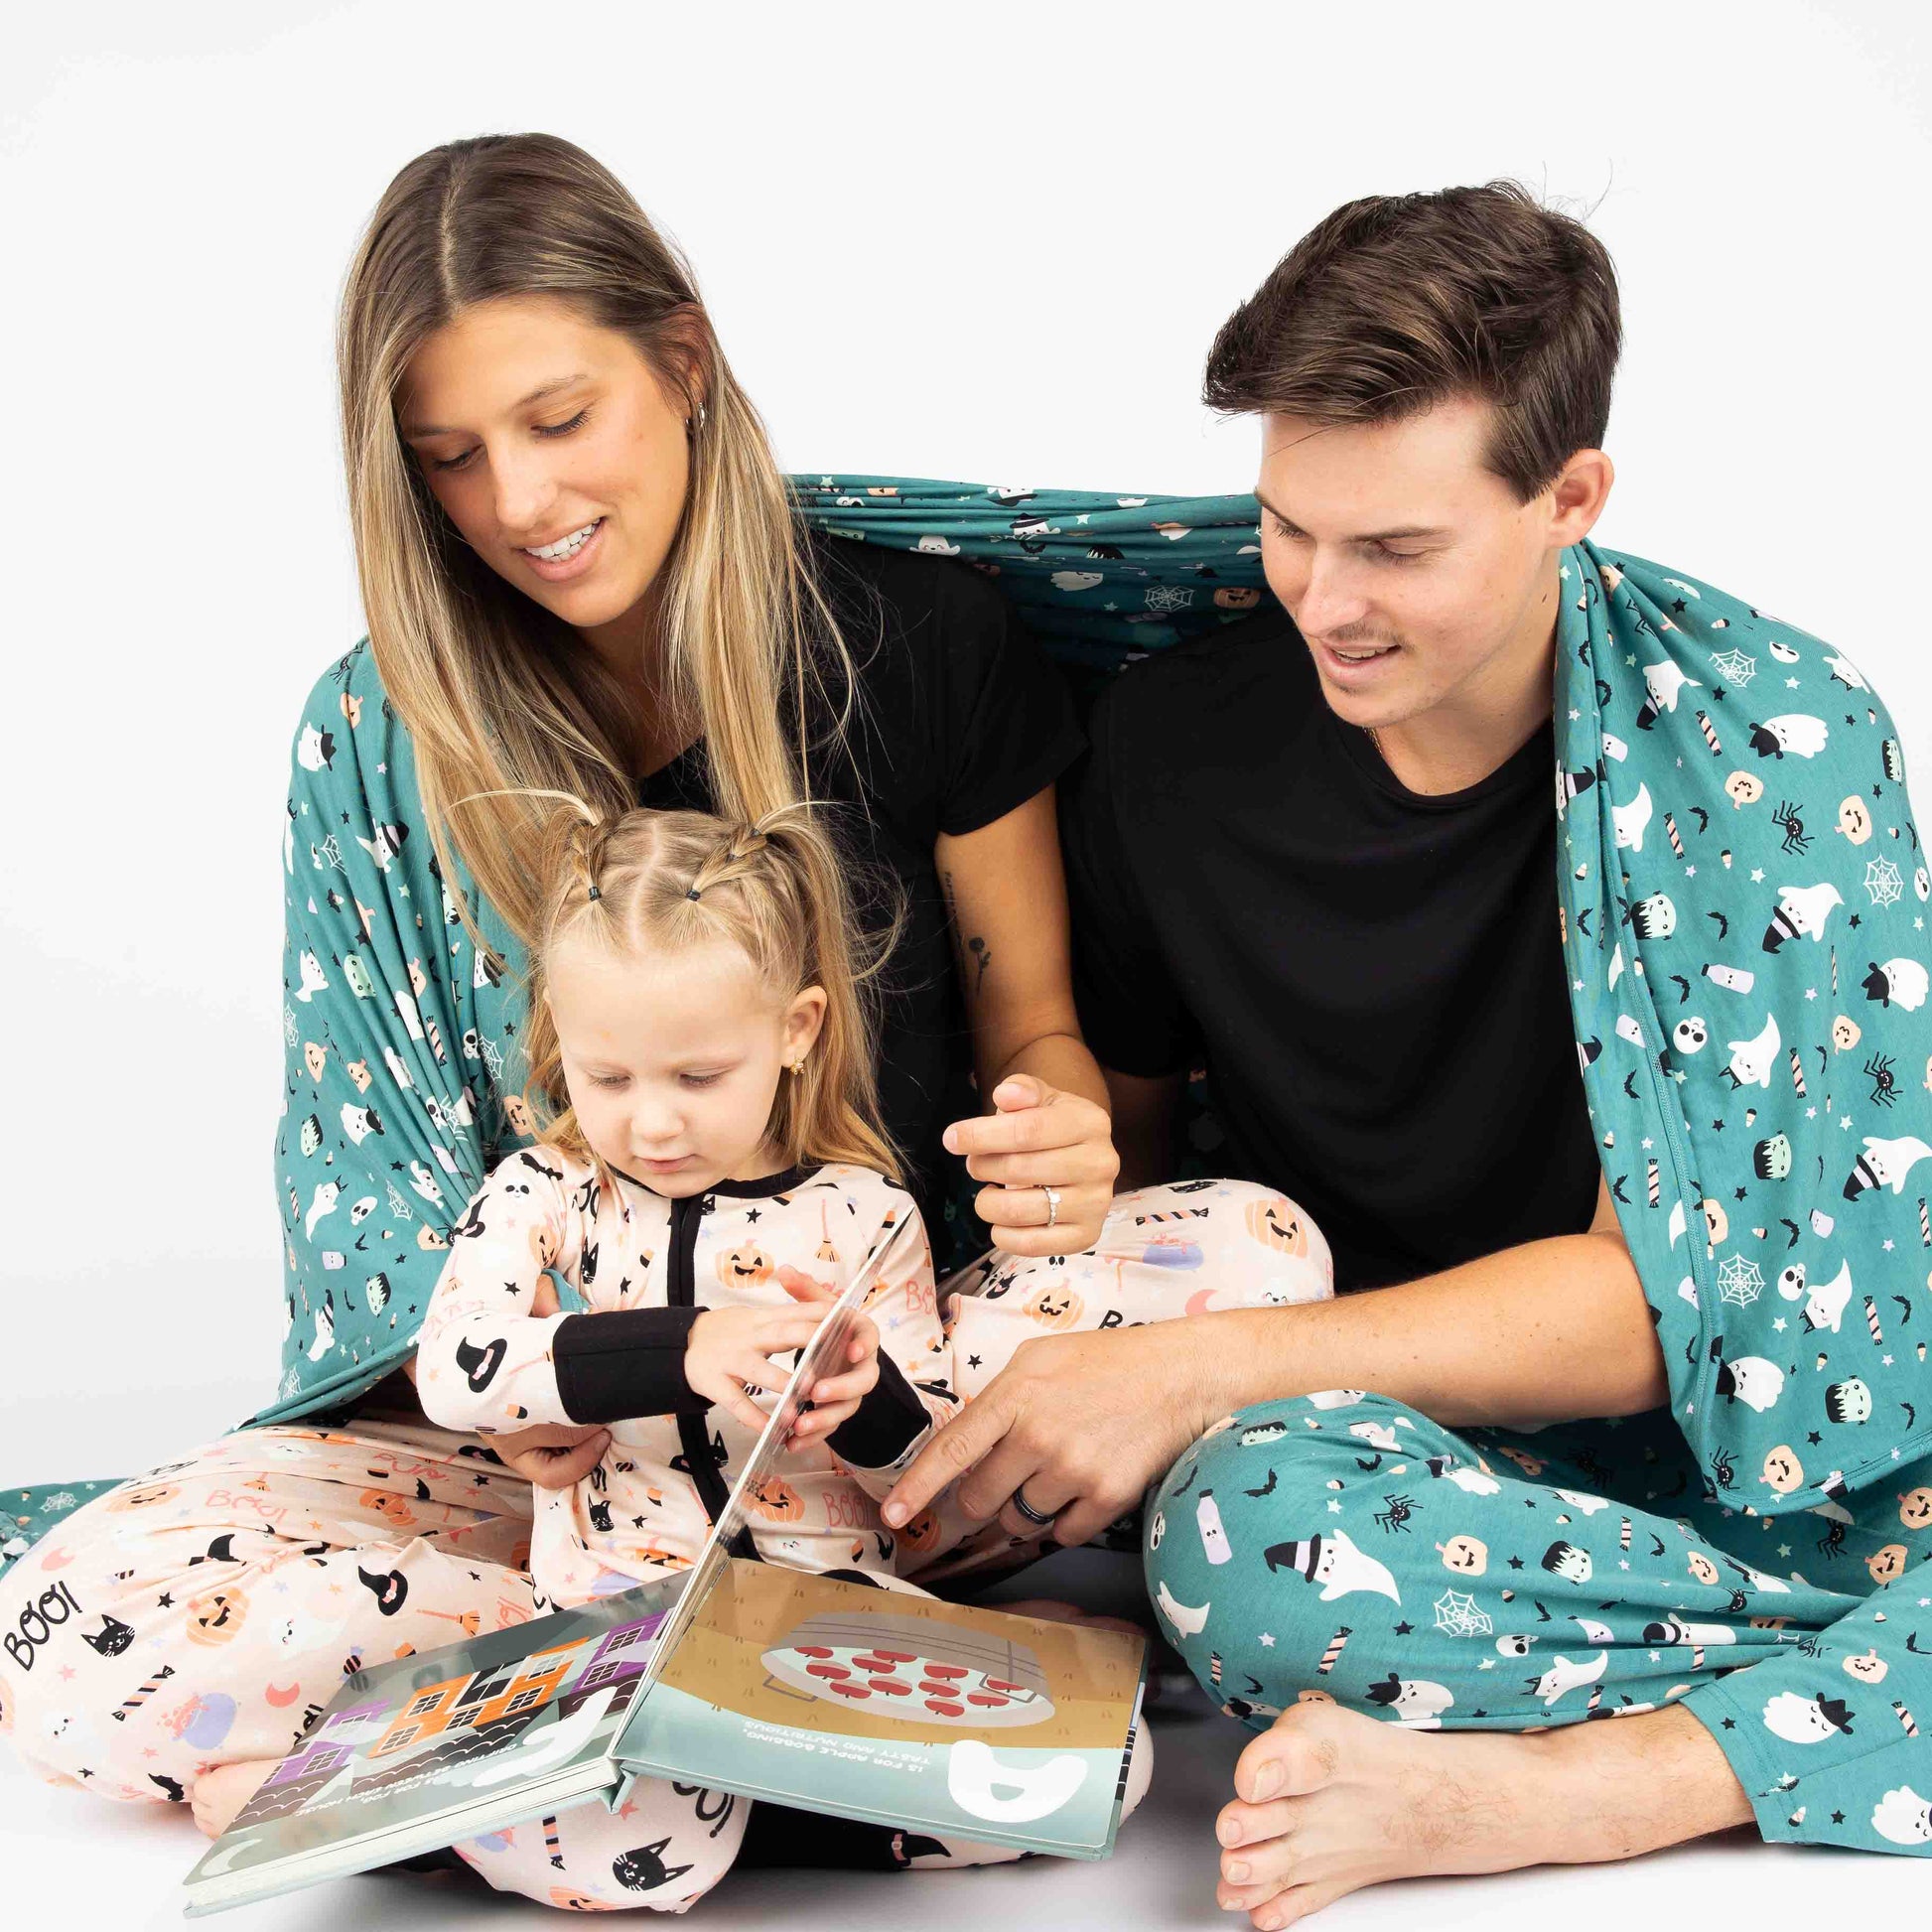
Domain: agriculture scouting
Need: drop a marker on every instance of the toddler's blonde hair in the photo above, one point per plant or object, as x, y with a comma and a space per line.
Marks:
664, 881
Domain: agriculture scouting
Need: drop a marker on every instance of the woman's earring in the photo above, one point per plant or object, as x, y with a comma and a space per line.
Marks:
694, 424
796, 1067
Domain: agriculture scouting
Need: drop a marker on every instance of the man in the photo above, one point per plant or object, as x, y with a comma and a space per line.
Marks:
1316, 853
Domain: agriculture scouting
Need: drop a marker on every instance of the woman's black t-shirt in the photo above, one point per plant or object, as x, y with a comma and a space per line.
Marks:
1372, 976
957, 717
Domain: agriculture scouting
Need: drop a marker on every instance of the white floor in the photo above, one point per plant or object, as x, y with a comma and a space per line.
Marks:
77, 1863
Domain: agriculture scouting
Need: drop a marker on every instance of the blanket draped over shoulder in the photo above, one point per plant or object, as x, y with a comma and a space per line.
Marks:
1742, 898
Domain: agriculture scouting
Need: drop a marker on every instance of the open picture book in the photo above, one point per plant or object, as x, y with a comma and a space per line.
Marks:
737, 1674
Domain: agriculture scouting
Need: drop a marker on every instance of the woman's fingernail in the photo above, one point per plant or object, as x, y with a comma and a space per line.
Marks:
1229, 1832
1236, 1874
893, 1513
950, 1139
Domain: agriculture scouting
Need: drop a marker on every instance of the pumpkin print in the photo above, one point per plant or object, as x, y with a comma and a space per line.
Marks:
1276, 1224
777, 1498
746, 1265
1052, 1308
217, 1617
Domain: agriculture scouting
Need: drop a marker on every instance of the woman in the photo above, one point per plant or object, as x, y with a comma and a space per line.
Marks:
581, 573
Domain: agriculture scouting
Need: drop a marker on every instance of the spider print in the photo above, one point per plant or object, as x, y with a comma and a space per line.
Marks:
1884, 1083
1833, 1541
1396, 1516
1723, 1467
1787, 820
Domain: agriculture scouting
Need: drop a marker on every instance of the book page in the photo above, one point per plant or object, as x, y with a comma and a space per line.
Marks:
894, 1706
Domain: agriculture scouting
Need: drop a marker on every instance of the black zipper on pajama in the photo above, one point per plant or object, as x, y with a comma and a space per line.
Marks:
694, 1430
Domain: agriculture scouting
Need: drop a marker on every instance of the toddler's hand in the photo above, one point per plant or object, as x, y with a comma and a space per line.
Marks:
729, 1352
836, 1397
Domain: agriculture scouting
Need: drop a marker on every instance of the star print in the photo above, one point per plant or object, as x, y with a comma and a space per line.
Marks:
1814, 1438
1844, 1119
1758, 876
1335, 1509
751, 1214
1778, 1325
164, 1602
1855, 921
66, 1672
972, 1361
1730, 1723
1717, 1127
1837, 1818
1402, 1630
1516, 1563
1267, 1640
1784, 1549
1740, 1193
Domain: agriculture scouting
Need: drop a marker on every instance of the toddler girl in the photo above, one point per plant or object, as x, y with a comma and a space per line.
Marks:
710, 1174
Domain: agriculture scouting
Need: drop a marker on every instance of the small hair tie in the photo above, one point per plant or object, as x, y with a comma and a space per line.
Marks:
692, 892
595, 892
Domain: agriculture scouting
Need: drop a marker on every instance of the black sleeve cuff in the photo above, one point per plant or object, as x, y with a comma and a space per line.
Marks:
888, 1417
623, 1363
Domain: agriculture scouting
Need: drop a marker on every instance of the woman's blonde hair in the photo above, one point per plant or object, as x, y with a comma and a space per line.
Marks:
501, 696
661, 881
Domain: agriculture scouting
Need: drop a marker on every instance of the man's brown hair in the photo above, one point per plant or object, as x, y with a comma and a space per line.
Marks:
1398, 302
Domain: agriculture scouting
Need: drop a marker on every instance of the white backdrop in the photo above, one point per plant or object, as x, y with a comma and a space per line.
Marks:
931, 244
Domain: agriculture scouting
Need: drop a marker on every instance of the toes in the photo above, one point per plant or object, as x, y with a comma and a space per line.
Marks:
1287, 1762
1297, 1902
1241, 1824
1261, 1868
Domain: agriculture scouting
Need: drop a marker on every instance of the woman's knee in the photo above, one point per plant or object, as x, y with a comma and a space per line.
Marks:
1211, 1245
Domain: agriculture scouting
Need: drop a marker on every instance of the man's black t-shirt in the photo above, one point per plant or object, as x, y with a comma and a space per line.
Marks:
957, 717
1371, 976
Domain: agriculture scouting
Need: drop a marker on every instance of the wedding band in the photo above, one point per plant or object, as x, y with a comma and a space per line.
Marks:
1053, 1215
1025, 1508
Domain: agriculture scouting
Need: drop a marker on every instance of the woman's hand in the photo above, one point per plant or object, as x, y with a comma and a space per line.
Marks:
1083, 1421
553, 1455
1039, 1138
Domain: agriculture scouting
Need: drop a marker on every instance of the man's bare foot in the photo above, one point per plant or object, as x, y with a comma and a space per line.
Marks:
219, 1794
1330, 1800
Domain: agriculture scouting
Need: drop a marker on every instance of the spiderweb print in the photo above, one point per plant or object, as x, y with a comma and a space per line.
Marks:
1882, 881
1740, 1280
1457, 1616
1736, 666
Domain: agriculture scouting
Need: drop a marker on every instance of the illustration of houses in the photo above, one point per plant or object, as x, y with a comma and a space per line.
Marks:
621, 1653
333, 1742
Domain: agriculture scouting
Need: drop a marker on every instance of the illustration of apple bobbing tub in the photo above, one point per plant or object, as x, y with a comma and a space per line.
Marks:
911, 1666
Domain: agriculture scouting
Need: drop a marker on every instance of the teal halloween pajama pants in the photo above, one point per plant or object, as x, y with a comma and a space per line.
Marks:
1341, 1545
